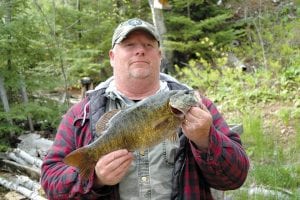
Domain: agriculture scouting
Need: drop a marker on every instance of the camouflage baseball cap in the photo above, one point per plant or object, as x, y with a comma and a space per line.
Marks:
131, 25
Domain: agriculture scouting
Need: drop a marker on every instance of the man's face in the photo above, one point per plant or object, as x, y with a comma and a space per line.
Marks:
138, 56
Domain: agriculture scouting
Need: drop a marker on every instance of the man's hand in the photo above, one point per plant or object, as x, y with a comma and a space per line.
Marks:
111, 168
196, 125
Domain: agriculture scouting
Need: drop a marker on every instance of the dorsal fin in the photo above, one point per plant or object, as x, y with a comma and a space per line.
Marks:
102, 123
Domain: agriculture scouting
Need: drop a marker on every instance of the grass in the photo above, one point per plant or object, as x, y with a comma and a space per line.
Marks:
272, 142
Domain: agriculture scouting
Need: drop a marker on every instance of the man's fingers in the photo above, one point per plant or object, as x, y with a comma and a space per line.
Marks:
108, 158
111, 168
113, 160
122, 169
115, 164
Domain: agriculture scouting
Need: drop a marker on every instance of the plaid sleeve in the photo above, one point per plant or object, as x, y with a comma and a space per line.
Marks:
225, 164
59, 180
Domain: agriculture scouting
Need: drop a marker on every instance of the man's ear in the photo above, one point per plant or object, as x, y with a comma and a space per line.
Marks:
111, 57
160, 53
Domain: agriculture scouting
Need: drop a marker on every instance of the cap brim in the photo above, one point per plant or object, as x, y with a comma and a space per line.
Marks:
125, 34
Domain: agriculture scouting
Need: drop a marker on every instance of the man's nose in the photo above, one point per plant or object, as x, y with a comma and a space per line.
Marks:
140, 49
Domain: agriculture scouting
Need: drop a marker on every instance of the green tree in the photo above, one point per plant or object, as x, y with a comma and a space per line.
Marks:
51, 45
199, 28
21, 49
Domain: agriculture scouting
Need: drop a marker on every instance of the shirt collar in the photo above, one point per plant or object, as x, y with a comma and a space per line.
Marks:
112, 93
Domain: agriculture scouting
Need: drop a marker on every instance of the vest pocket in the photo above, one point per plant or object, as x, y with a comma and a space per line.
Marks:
170, 148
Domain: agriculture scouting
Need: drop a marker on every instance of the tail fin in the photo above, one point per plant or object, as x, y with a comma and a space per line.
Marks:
82, 159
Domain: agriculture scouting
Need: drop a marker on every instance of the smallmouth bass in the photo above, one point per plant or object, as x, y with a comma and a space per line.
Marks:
140, 126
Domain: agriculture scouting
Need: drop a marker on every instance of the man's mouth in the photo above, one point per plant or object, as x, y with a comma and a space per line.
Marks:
140, 61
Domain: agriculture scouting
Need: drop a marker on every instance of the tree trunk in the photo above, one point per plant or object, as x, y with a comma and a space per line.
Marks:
25, 100
79, 21
8, 20
158, 21
5, 103
12, 166
3, 95
65, 96
9, 66
26, 192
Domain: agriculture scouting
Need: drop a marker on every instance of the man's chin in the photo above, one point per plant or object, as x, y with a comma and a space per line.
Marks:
140, 73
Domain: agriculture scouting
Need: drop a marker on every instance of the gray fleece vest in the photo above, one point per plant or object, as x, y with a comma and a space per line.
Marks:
98, 108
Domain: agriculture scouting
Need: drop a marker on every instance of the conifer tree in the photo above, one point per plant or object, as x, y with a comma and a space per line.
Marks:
198, 29
21, 50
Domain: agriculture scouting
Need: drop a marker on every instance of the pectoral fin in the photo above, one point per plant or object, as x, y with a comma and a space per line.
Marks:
161, 124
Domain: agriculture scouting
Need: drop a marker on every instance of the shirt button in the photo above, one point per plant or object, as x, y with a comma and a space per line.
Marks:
147, 195
142, 153
144, 178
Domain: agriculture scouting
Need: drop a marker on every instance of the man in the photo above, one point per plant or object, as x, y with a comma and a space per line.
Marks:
205, 155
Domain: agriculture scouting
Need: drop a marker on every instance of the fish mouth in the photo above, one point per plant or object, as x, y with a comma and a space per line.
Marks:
181, 102
177, 112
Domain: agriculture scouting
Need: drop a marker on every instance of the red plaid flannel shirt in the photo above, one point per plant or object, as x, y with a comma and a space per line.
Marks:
223, 166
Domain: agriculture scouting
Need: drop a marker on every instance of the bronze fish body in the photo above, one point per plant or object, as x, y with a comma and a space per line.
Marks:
140, 126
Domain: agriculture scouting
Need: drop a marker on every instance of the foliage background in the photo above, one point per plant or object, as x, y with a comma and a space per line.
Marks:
48, 46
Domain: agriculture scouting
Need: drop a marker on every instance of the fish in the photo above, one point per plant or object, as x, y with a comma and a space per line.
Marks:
138, 127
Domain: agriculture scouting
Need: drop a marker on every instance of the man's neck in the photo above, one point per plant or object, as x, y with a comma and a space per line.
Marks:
138, 90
